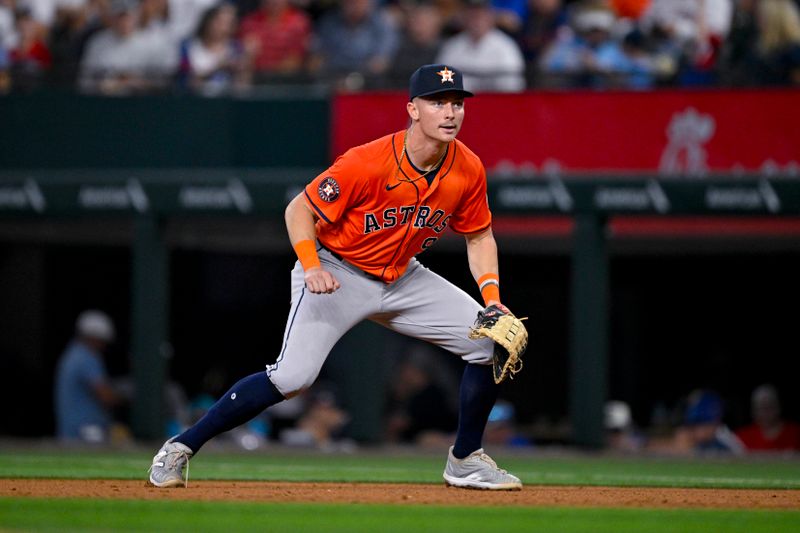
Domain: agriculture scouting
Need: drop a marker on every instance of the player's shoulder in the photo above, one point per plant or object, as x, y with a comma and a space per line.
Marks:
466, 158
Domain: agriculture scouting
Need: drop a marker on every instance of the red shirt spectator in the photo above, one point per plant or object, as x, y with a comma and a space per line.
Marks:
31, 52
277, 37
754, 438
35, 52
768, 431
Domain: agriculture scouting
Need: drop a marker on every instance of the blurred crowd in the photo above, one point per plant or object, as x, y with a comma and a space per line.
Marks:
419, 409
699, 426
213, 47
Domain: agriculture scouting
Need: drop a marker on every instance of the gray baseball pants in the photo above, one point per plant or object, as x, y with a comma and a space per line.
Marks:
420, 304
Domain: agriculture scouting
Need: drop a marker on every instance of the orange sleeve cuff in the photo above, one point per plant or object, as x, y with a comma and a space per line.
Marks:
306, 252
489, 285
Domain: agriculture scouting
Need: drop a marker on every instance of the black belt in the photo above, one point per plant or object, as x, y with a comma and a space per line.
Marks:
340, 258
334, 254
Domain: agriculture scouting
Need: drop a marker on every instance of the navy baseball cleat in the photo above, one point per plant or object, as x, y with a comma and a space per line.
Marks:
168, 463
478, 471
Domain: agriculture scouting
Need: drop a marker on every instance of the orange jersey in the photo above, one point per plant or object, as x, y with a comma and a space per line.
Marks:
376, 214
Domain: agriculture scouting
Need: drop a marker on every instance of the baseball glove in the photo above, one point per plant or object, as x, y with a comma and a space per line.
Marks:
509, 335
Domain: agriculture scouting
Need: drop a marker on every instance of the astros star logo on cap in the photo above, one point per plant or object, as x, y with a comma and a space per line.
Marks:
447, 75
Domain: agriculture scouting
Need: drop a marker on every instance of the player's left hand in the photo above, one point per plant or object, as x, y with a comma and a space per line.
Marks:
320, 281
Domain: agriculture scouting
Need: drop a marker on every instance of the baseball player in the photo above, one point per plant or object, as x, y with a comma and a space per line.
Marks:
356, 229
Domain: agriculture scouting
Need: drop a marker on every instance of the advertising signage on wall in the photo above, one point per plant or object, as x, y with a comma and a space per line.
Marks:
239, 195
687, 133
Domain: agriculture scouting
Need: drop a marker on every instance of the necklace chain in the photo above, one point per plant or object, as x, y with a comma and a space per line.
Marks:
403, 156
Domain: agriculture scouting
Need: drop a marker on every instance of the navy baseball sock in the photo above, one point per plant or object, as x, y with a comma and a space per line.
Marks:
247, 398
478, 394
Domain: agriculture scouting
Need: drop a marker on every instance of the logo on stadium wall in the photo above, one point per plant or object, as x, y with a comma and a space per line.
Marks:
328, 189
688, 132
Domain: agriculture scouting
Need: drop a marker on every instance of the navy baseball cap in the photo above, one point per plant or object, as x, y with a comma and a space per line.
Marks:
434, 79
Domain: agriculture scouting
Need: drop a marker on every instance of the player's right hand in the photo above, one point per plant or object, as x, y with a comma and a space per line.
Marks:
320, 281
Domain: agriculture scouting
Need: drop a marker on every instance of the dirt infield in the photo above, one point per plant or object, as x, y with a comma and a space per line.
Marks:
406, 494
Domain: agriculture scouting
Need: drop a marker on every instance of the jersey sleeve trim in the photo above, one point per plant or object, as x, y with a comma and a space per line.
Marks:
484, 228
317, 209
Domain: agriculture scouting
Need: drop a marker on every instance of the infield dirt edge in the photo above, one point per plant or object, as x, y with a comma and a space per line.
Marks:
406, 494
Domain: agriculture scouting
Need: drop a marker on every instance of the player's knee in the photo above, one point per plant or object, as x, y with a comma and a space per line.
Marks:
481, 354
478, 358
290, 386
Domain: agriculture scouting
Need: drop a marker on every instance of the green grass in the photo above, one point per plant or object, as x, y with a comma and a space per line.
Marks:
108, 515
33, 514
533, 469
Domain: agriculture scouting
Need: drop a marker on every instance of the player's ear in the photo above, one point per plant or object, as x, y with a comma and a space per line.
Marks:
413, 112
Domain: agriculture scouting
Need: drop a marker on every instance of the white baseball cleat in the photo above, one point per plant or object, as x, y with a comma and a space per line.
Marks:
168, 463
478, 471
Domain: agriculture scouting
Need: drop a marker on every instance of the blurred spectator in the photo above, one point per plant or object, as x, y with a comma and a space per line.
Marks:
8, 35
122, 59
739, 51
489, 59
501, 429
213, 62
154, 21
630, 9
703, 430
68, 38
184, 16
47, 12
153, 14
621, 434
420, 44
354, 44
698, 28
277, 38
30, 57
452, 16
5, 64
638, 69
320, 425
768, 431
778, 49
591, 57
418, 407
84, 398
545, 19
510, 15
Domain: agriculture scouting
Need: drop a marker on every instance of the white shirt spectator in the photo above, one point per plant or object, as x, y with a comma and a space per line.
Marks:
684, 17
110, 53
184, 16
492, 63
131, 61
205, 61
489, 58
165, 48
8, 34
44, 11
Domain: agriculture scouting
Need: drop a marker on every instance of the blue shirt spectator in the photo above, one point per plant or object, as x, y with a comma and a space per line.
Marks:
5, 62
357, 37
703, 421
510, 15
83, 397
590, 57
79, 412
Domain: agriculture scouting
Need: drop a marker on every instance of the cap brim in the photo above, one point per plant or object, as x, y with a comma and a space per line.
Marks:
462, 92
